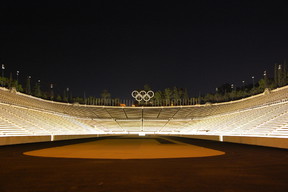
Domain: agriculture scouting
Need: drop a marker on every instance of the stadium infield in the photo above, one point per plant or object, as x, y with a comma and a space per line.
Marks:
127, 148
142, 164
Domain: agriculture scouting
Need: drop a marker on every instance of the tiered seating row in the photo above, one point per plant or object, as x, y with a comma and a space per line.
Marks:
266, 120
102, 112
259, 115
22, 121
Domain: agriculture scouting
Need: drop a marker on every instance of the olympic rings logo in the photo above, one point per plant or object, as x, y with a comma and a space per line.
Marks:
142, 95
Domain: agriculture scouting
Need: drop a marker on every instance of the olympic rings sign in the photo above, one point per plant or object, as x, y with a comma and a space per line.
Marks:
142, 95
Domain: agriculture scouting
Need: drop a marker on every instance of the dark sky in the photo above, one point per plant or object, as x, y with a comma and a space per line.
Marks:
122, 45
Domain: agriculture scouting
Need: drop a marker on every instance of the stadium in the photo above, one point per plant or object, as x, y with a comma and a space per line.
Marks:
263, 117
72, 147
140, 96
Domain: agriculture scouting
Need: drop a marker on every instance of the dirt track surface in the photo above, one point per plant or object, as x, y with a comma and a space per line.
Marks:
241, 168
127, 148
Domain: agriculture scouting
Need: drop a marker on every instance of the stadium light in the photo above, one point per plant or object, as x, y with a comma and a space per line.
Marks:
253, 81
67, 92
265, 78
17, 74
51, 92
279, 67
29, 81
3, 68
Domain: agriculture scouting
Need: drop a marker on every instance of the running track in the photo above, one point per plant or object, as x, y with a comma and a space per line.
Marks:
241, 168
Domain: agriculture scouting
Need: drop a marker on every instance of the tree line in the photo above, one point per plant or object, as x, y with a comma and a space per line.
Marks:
228, 92
166, 97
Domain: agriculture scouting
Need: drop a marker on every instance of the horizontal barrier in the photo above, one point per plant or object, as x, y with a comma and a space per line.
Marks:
276, 142
11, 140
262, 141
205, 137
68, 137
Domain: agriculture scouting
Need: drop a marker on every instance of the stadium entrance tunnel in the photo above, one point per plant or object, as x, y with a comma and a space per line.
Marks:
127, 147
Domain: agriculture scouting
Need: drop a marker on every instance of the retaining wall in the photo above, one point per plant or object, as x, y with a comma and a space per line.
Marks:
205, 137
23, 139
68, 137
11, 140
261, 141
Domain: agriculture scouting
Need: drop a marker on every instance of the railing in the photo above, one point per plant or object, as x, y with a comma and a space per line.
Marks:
153, 102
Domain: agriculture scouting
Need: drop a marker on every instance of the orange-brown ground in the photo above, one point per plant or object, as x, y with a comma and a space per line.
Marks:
127, 148
242, 168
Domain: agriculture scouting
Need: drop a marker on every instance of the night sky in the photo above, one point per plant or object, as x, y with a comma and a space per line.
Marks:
122, 45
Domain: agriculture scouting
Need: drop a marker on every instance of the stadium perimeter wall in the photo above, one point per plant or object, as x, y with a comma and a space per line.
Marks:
204, 137
261, 141
11, 140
